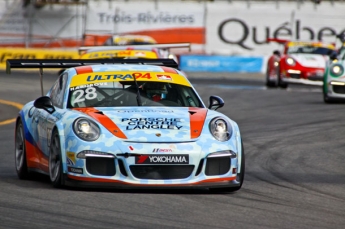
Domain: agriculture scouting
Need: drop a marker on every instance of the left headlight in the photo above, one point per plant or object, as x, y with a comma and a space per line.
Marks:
337, 70
86, 129
220, 129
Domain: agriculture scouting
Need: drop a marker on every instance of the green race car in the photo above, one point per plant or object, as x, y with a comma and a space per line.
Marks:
334, 80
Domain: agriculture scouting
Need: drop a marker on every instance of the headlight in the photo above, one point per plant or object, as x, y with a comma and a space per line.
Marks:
91, 153
337, 70
220, 129
86, 129
276, 63
171, 56
290, 61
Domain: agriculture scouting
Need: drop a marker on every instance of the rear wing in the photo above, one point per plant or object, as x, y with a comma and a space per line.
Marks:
70, 63
166, 46
277, 40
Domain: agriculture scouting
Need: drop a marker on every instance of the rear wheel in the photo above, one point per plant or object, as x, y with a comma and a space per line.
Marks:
55, 161
269, 83
239, 177
20, 152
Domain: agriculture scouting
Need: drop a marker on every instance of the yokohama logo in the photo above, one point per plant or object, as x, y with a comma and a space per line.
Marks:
158, 150
162, 159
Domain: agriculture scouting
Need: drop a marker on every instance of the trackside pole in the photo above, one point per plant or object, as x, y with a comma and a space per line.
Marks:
41, 79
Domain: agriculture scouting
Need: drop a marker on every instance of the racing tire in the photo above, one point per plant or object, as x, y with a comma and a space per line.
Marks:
326, 99
239, 177
281, 84
20, 152
55, 161
270, 83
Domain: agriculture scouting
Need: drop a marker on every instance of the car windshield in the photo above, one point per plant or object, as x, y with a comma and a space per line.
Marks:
310, 50
124, 93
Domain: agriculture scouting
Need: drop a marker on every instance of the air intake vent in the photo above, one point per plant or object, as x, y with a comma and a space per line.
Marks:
161, 172
339, 89
100, 166
217, 166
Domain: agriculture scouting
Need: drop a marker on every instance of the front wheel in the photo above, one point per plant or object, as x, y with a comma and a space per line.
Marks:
326, 99
20, 152
281, 84
239, 177
55, 161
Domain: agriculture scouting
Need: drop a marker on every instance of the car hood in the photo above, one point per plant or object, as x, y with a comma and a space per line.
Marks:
310, 60
150, 124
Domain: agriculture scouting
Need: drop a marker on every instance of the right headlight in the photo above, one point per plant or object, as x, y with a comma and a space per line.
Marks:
220, 129
86, 129
290, 61
337, 70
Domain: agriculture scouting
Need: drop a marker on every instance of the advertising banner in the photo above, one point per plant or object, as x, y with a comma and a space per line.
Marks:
202, 63
32, 53
236, 28
166, 22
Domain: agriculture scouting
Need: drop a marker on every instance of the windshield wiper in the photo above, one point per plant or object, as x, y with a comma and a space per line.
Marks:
138, 92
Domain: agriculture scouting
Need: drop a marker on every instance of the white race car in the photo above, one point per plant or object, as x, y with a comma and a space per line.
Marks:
126, 123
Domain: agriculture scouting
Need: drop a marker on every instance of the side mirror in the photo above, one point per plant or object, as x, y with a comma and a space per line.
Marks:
333, 56
44, 103
276, 52
215, 102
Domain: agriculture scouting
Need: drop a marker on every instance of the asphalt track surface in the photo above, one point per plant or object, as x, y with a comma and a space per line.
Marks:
295, 168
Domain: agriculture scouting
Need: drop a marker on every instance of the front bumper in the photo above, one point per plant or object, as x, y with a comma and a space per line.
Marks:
84, 182
310, 77
181, 169
336, 90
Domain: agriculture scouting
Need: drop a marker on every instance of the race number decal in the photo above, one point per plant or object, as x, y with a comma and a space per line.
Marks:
81, 95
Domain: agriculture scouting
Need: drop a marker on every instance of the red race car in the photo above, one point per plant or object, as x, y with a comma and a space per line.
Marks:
300, 62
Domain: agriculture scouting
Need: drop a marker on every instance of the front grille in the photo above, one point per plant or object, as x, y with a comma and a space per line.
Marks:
295, 76
161, 172
100, 166
339, 89
217, 166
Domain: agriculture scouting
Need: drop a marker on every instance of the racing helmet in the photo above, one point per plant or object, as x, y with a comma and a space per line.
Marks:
156, 91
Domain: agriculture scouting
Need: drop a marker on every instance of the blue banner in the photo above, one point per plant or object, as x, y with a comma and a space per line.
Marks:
203, 63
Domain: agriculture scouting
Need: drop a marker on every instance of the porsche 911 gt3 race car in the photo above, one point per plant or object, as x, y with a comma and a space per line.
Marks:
334, 80
132, 51
126, 123
300, 62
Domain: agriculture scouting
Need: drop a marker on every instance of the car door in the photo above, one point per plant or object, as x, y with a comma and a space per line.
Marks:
47, 120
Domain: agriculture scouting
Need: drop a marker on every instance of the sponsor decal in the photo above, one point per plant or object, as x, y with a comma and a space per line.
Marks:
139, 54
162, 159
160, 150
152, 123
87, 85
75, 170
164, 77
70, 158
100, 77
131, 148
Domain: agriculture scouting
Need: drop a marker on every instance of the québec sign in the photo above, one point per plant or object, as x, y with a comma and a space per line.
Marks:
295, 33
